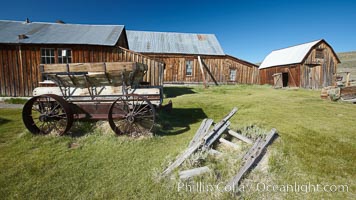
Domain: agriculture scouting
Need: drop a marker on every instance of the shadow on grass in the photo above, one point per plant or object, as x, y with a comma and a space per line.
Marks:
170, 92
178, 120
81, 128
4, 121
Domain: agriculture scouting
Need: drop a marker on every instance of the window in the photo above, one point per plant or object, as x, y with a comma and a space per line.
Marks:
64, 56
47, 56
232, 74
189, 68
319, 53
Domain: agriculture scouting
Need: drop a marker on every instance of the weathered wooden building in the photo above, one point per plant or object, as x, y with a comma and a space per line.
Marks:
26, 45
311, 65
181, 52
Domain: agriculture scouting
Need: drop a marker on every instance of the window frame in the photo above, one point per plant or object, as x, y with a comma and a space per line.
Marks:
60, 58
45, 57
318, 52
191, 67
234, 75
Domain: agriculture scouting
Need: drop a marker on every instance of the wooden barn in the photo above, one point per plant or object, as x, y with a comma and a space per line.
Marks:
191, 58
26, 45
311, 65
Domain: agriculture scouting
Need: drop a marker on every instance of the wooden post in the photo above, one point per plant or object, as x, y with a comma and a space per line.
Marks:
202, 71
347, 79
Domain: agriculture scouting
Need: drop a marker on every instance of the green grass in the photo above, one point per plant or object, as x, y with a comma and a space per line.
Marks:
317, 144
15, 101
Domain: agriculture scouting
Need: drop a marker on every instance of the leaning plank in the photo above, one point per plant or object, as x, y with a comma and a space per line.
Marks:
216, 136
181, 159
241, 137
252, 161
193, 172
202, 71
228, 143
220, 124
202, 131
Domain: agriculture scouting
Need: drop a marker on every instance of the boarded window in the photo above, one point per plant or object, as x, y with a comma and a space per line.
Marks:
319, 53
189, 68
64, 56
232, 74
47, 56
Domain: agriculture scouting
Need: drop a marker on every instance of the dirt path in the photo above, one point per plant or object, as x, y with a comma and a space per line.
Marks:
5, 105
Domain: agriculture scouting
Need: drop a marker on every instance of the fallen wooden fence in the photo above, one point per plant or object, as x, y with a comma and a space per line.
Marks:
201, 140
204, 139
252, 157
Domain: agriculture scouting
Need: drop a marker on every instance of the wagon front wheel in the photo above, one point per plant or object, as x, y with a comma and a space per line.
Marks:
46, 114
133, 115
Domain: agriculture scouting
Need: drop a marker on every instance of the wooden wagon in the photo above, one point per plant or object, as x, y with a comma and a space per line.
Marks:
93, 91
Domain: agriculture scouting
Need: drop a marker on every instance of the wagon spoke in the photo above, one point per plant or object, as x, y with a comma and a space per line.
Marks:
47, 113
139, 117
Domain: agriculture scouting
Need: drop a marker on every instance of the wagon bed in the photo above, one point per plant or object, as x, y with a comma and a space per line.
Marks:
94, 91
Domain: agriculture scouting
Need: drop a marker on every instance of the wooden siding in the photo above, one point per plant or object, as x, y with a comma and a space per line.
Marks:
219, 67
266, 75
19, 65
312, 73
317, 73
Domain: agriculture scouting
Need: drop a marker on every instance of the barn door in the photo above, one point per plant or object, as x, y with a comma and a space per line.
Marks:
278, 81
313, 77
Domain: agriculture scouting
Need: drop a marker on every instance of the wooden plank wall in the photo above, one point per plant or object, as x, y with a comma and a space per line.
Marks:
19, 66
318, 73
219, 66
19, 73
266, 75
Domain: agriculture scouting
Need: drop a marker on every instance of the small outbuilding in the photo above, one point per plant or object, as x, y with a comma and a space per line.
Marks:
311, 65
191, 58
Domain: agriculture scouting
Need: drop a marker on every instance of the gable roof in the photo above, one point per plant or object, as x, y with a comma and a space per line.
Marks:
174, 43
290, 55
55, 33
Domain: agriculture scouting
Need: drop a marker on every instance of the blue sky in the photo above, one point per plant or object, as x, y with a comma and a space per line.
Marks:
247, 29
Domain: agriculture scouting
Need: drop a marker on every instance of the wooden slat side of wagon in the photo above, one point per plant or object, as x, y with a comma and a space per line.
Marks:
112, 91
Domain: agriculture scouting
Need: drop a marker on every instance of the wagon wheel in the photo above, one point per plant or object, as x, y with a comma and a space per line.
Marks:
47, 113
133, 115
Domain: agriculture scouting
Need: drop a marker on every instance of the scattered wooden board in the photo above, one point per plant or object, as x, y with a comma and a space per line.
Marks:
202, 131
228, 143
252, 160
240, 137
193, 172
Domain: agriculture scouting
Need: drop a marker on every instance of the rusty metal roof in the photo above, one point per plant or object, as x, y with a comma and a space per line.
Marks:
176, 43
55, 33
290, 55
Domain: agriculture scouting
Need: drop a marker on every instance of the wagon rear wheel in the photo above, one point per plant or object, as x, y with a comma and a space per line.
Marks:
46, 114
133, 115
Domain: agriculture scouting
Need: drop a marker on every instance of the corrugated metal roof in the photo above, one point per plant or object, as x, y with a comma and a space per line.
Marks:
54, 33
177, 43
290, 55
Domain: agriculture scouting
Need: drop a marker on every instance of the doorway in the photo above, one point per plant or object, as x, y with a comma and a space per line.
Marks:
285, 79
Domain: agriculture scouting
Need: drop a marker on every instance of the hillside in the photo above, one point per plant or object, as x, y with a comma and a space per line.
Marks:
348, 63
